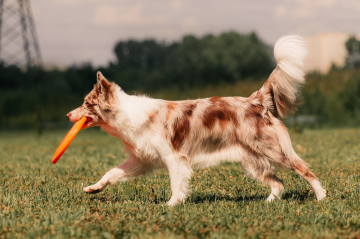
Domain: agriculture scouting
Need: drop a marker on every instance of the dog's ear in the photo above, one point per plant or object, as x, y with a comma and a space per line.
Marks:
100, 76
103, 85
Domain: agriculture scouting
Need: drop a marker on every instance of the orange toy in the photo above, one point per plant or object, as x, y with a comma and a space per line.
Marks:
68, 138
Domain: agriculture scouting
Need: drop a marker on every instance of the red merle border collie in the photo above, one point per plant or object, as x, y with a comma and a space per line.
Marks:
181, 135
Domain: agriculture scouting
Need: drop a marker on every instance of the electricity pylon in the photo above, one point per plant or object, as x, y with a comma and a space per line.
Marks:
18, 40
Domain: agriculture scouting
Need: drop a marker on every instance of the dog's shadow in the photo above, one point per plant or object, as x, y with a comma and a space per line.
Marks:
298, 195
212, 198
200, 198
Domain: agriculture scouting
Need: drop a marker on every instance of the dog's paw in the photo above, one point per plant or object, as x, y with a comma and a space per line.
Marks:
321, 195
271, 198
91, 190
174, 201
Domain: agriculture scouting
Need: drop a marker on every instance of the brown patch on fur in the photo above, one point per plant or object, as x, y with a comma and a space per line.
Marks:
255, 113
181, 130
181, 126
219, 111
189, 108
303, 171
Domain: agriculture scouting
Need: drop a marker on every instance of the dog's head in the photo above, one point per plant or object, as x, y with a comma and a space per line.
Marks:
98, 104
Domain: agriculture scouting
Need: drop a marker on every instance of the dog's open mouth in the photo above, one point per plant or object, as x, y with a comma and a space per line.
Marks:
88, 121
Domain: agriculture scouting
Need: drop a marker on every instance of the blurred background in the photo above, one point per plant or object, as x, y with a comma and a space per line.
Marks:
50, 51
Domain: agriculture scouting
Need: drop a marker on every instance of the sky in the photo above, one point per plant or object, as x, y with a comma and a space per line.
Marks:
78, 31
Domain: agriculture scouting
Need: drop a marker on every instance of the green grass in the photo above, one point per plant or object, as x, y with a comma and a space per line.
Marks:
39, 199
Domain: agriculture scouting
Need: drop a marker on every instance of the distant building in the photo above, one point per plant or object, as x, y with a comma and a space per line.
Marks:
326, 49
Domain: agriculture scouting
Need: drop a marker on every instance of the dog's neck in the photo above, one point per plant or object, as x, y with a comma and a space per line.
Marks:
129, 114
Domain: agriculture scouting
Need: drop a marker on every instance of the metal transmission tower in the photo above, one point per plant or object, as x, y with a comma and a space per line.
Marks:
18, 41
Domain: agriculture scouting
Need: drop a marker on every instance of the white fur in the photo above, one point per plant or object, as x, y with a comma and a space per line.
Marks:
290, 53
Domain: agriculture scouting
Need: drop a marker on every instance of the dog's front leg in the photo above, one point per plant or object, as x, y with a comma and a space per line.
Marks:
180, 174
130, 169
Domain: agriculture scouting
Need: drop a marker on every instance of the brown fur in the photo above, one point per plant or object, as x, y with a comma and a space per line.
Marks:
181, 129
219, 111
304, 172
282, 104
255, 113
181, 125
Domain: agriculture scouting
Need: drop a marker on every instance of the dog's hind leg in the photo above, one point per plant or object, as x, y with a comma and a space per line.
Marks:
300, 168
130, 169
259, 168
276, 156
282, 154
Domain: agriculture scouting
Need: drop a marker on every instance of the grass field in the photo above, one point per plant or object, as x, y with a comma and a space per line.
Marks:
39, 199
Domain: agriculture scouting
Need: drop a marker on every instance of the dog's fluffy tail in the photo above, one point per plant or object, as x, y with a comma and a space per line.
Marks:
285, 82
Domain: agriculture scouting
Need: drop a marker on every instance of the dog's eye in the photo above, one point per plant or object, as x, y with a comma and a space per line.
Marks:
90, 105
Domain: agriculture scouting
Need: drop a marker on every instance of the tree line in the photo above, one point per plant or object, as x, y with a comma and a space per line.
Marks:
150, 66
146, 65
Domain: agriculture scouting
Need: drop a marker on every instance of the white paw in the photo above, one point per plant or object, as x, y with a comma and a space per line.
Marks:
91, 189
174, 201
271, 198
320, 192
321, 195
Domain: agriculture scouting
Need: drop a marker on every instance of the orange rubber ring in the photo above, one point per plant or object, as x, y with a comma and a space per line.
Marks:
68, 139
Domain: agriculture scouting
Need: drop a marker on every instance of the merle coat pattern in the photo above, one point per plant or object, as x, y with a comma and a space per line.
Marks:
181, 135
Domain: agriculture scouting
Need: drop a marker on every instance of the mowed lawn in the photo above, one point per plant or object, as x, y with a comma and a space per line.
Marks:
39, 199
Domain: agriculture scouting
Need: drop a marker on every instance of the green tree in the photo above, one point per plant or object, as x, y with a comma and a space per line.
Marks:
193, 61
352, 45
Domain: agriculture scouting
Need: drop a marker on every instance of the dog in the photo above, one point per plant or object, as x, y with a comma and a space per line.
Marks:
182, 135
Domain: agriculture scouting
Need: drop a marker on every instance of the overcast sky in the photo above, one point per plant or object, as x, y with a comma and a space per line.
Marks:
75, 31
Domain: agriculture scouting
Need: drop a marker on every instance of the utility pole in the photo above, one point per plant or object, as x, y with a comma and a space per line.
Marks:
19, 44
18, 39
